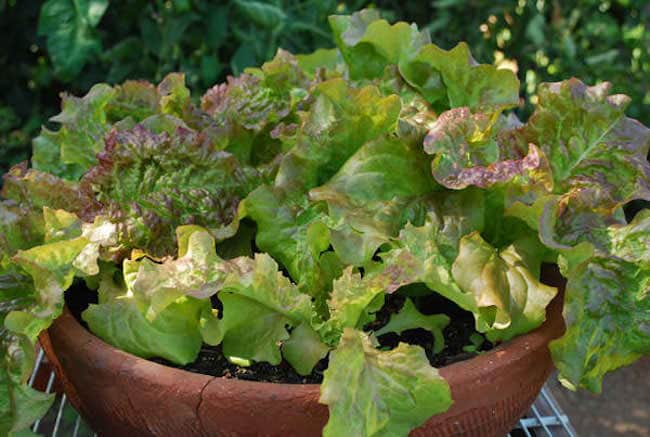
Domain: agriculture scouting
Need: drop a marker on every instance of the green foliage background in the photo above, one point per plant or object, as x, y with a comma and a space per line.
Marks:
48, 47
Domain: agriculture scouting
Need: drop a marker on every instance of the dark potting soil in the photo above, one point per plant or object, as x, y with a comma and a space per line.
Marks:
211, 360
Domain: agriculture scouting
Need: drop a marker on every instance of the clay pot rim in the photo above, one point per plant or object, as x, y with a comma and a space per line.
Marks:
456, 373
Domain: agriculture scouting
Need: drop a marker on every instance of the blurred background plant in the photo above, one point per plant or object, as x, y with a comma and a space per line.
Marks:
57, 45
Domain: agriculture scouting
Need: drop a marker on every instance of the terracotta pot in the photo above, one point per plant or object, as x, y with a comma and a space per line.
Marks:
119, 394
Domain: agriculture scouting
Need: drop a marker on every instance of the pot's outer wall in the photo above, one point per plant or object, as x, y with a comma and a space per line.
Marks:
119, 394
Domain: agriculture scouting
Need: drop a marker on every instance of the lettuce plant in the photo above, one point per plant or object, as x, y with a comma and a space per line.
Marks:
302, 193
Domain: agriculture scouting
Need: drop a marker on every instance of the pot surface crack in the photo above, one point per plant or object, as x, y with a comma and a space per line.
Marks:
137, 414
198, 406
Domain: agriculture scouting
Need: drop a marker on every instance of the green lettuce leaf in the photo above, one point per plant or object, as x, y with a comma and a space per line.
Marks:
341, 119
250, 330
410, 318
197, 269
369, 44
453, 79
321, 61
296, 235
432, 247
259, 303
370, 392
20, 227
84, 124
509, 296
53, 267
304, 349
20, 405
367, 197
37, 189
174, 335
607, 313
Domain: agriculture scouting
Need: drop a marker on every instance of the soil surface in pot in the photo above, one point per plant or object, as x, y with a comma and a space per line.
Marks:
211, 361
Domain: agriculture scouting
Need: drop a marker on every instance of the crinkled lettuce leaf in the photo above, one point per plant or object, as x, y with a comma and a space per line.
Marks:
295, 234
509, 296
373, 392
367, 197
85, 121
258, 302
245, 109
590, 144
155, 285
340, 120
468, 152
36, 189
53, 267
149, 183
607, 313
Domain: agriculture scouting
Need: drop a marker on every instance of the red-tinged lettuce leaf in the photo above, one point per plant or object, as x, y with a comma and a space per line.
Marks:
453, 79
590, 144
467, 151
84, 121
197, 270
150, 183
373, 392
607, 313
340, 120
568, 220
369, 44
246, 108
631, 242
37, 189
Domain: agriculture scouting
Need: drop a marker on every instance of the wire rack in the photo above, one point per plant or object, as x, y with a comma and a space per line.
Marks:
545, 417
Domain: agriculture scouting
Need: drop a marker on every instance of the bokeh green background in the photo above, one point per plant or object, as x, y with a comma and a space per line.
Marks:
48, 47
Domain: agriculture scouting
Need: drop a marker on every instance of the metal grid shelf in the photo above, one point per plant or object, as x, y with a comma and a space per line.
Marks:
545, 417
